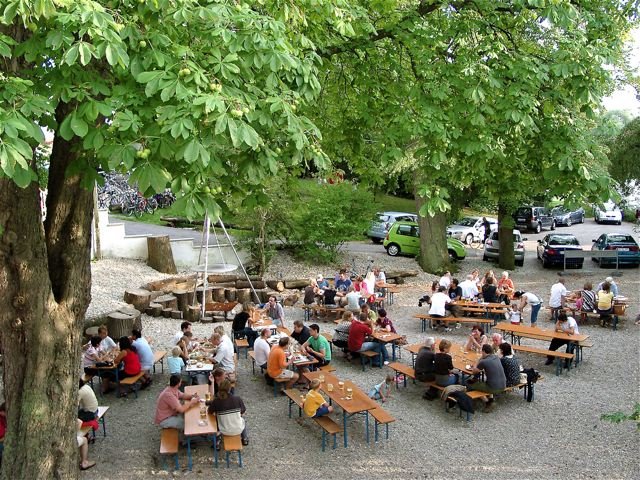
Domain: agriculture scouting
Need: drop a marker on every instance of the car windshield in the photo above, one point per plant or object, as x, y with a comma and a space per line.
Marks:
467, 222
563, 240
560, 210
620, 239
383, 218
523, 211
609, 207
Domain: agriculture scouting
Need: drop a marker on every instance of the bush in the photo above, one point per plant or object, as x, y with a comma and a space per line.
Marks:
322, 223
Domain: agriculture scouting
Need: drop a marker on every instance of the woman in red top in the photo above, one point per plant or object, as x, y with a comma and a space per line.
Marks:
130, 364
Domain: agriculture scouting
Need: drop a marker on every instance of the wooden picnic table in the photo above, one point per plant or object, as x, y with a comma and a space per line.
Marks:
385, 337
461, 357
519, 331
192, 426
359, 404
389, 289
487, 322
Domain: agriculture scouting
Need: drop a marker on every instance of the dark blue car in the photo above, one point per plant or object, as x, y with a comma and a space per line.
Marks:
625, 244
552, 247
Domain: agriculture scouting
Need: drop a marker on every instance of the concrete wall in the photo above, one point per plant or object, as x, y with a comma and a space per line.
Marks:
115, 244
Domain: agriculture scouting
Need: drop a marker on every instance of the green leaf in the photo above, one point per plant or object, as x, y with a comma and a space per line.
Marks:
65, 130
192, 152
79, 126
233, 132
23, 177
111, 55
249, 135
85, 53
72, 55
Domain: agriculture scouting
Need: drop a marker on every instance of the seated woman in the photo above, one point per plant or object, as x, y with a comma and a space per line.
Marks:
604, 305
229, 410
130, 365
510, 365
241, 327
341, 333
489, 291
311, 291
506, 288
87, 402
445, 373
477, 339
383, 322
587, 301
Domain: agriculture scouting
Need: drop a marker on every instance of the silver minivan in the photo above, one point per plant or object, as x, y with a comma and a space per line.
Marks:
492, 247
383, 222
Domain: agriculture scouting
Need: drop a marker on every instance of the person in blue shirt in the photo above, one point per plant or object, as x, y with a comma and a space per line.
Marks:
342, 287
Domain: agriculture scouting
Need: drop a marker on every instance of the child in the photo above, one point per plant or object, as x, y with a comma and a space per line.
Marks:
315, 405
382, 391
175, 362
514, 315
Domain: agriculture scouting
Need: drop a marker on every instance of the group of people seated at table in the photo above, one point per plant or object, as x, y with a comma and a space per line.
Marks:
500, 368
345, 292
128, 358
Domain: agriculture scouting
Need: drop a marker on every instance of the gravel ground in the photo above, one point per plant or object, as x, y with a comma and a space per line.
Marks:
558, 435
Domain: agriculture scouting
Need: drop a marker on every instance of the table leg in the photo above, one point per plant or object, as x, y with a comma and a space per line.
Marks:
366, 423
215, 450
189, 461
344, 426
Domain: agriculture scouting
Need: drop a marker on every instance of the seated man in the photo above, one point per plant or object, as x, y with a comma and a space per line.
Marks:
145, 353
322, 282
352, 300
300, 332
341, 333
566, 325
358, 333
342, 287
224, 355
275, 312
317, 346
184, 327
425, 367
169, 410
240, 328
495, 379
107, 344
261, 348
278, 363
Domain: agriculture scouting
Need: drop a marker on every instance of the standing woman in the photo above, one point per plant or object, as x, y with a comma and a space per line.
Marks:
528, 298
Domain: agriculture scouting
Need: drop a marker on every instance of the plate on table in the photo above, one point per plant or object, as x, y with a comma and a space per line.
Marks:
199, 365
192, 362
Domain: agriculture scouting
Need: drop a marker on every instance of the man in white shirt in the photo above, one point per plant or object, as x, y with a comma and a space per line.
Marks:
566, 325
261, 348
224, 354
556, 298
353, 300
469, 288
445, 280
439, 301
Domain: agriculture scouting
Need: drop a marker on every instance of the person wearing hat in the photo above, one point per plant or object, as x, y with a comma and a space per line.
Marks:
613, 286
322, 282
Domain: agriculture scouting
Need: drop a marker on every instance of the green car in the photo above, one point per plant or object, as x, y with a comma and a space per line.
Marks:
404, 238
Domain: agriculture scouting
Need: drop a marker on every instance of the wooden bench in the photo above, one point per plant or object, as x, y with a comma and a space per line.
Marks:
368, 356
158, 357
559, 356
473, 395
252, 355
329, 427
487, 322
580, 346
381, 417
295, 398
242, 344
232, 443
321, 310
169, 446
89, 432
403, 370
130, 382
329, 338
276, 382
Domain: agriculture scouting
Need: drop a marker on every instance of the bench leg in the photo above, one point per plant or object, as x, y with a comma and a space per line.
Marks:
362, 362
177, 462
335, 441
215, 450
324, 436
240, 458
375, 431
366, 424
387, 429
104, 426
227, 456
558, 366
189, 459
253, 367
290, 404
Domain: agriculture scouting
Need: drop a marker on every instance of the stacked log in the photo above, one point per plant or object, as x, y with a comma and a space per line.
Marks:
138, 297
218, 294
167, 301
154, 309
122, 321
207, 298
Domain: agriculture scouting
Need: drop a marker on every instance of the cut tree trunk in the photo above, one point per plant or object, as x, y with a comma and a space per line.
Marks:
135, 313
176, 314
160, 256
193, 313
217, 294
169, 284
230, 294
184, 298
154, 309
401, 273
208, 295
138, 297
276, 285
166, 312
243, 295
296, 283
263, 296
290, 300
167, 301
246, 284
219, 278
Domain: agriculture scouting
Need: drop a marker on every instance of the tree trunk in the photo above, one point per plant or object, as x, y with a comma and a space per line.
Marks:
505, 236
45, 280
434, 257
160, 256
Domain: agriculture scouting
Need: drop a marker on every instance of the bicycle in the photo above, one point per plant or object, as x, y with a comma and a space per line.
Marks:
353, 273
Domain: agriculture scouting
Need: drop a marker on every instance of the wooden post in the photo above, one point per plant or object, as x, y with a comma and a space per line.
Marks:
160, 256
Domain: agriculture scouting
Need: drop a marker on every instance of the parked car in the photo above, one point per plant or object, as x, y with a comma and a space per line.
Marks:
470, 228
607, 212
492, 247
552, 247
404, 238
380, 227
625, 244
534, 218
563, 216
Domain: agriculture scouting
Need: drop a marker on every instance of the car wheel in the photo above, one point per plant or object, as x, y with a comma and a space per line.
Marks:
485, 258
553, 225
452, 256
538, 228
393, 249
569, 222
520, 263
377, 241
619, 223
468, 239
581, 218
545, 264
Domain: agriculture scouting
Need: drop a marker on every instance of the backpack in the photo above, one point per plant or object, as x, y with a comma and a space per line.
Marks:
532, 377
464, 401
329, 297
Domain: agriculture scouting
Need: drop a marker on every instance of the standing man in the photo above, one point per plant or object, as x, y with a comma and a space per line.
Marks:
317, 346
275, 312
495, 379
487, 229
557, 298
169, 410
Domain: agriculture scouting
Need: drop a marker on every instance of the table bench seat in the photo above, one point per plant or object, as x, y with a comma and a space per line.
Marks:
158, 357
329, 427
368, 356
559, 356
169, 442
487, 322
232, 443
381, 417
327, 368
242, 344
88, 431
252, 355
131, 382
403, 370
